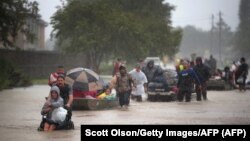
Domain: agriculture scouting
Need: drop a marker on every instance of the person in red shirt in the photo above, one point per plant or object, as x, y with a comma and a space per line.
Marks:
53, 76
117, 65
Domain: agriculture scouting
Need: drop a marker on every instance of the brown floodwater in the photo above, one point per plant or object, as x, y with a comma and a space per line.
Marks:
20, 113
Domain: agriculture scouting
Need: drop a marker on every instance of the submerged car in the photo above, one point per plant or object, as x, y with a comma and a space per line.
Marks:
218, 83
157, 61
164, 87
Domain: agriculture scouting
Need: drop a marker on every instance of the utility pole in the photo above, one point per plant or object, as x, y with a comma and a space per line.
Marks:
220, 39
211, 34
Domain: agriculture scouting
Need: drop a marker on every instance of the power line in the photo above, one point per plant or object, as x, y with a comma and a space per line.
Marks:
193, 19
220, 28
211, 33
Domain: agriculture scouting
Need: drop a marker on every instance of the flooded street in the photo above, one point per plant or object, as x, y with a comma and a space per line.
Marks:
20, 113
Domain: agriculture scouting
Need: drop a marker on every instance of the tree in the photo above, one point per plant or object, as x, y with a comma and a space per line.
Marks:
13, 14
125, 28
243, 32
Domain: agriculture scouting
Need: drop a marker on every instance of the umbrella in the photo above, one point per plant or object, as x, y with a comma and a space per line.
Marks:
84, 79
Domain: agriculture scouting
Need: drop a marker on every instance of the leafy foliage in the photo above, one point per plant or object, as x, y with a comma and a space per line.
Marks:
13, 14
10, 76
243, 33
127, 28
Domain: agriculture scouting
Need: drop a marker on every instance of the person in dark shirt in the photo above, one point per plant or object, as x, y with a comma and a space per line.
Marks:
203, 73
242, 73
186, 79
151, 71
66, 93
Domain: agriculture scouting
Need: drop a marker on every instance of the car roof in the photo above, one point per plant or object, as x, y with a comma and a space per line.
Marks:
153, 58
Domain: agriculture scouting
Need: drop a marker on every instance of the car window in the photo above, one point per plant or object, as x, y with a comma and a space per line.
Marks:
156, 60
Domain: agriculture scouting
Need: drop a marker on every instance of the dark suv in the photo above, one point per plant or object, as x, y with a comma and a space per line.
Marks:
163, 88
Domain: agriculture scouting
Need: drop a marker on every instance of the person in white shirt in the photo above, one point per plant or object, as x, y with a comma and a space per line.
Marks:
141, 81
233, 69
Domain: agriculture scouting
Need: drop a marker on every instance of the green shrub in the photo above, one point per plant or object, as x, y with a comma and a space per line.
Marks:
10, 76
106, 69
6, 68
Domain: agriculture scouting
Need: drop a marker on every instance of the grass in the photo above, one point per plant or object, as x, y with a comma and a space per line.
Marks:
40, 81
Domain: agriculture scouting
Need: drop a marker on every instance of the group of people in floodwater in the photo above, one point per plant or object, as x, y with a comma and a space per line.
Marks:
200, 73
192, 75
234, 75
58, 102
188, 77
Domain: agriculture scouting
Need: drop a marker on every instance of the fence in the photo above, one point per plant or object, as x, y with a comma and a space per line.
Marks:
39, 64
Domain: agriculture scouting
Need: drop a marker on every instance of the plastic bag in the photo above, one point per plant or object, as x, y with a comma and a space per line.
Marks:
240, 80
59, 115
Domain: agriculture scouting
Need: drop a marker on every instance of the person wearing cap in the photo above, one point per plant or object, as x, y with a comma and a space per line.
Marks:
53, 76
54, 102
141, 82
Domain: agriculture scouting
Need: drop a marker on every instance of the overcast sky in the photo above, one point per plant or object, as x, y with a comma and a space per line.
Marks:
187, 12
199, 12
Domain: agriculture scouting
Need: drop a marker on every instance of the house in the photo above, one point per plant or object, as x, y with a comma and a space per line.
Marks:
35, 26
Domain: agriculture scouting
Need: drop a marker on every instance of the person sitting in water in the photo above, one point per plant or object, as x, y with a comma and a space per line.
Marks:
106, 93
54, 102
